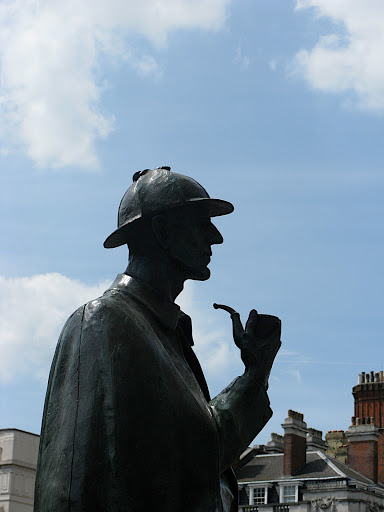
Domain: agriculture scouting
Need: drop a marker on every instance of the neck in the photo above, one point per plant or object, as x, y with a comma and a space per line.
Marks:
159, 273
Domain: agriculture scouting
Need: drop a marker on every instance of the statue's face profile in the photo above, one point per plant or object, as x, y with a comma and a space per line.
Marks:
190, 239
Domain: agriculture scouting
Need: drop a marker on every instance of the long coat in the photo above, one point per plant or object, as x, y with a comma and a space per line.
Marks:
128, 423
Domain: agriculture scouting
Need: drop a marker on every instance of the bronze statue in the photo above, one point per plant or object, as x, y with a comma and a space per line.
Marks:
128, 422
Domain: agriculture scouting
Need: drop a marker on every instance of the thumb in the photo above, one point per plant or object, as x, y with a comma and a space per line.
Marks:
252, 321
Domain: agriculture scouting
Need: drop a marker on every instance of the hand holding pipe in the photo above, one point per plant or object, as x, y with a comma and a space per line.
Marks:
259, 342
238, 330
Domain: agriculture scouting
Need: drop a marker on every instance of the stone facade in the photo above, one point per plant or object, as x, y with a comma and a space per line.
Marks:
18, 456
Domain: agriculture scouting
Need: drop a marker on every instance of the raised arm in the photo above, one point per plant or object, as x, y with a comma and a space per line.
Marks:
242, 409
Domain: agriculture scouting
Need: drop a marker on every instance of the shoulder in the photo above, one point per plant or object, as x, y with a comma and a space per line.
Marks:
110, 307
113, 315
113, 305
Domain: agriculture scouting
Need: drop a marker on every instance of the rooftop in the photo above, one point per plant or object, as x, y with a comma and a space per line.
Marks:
262, 468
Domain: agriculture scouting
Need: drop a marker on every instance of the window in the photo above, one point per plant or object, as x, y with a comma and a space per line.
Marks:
258, 494
289, 493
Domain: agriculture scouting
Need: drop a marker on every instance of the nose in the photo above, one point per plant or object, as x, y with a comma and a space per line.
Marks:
215, 235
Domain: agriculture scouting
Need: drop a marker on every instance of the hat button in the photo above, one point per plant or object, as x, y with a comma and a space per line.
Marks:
137, 174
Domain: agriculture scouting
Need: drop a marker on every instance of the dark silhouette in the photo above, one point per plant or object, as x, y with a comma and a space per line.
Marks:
128, 422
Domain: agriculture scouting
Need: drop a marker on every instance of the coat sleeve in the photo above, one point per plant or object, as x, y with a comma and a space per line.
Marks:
241, 411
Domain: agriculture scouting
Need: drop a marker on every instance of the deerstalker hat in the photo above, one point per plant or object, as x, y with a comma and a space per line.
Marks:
156, 191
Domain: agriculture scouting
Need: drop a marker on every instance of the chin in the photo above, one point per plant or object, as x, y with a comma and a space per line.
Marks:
194, 272
201, 274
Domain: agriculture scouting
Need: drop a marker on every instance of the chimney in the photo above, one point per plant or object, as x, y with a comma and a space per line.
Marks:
276, 444
369, 402
295, 432
315, 441
337, 445
362, 447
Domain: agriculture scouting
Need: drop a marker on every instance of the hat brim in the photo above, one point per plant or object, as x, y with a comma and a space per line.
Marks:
211, 207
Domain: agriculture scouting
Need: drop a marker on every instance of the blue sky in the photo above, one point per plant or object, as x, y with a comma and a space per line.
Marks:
275, 106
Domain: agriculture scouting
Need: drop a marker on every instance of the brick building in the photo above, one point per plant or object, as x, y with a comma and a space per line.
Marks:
362, 445
369, 411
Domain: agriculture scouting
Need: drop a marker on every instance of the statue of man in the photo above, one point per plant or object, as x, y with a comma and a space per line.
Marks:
128, 422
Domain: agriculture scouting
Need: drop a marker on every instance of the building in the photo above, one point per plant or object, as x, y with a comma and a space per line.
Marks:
294, 474
18, 456
367, 429
369, 410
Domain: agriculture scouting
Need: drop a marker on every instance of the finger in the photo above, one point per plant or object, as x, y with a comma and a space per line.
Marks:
251, 324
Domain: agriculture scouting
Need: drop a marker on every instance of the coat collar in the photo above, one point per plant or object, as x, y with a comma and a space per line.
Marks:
167, 312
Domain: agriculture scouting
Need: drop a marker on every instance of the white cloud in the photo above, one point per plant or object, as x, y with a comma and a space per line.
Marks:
51, 82
33, 311
348, 60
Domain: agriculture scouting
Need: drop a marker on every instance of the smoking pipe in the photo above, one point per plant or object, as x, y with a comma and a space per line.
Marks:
237, 326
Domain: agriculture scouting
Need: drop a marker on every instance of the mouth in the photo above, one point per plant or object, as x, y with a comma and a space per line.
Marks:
207, 256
